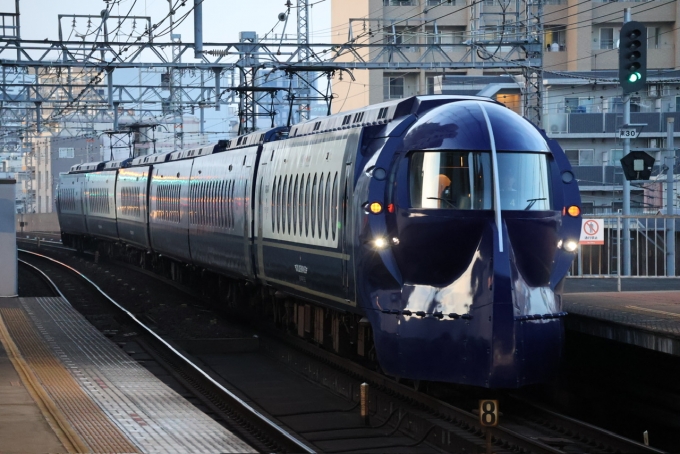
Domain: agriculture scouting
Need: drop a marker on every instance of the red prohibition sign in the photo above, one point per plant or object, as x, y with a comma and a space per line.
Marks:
591, 227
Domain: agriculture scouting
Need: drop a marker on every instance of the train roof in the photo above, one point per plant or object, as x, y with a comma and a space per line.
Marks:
257, 137
376, 114
120, 164
87, 167
247, 140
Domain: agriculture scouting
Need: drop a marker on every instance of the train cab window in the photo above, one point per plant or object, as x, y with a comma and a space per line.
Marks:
463, 180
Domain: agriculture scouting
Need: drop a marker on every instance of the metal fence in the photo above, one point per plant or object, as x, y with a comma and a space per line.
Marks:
648, 240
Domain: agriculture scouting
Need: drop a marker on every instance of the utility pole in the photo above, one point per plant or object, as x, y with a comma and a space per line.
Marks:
670, 196
175, 84
303, 90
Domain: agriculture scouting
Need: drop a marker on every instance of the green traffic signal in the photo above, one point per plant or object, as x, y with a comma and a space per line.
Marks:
633, 57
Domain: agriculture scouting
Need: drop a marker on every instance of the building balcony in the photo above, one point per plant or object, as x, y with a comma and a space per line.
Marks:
606, 123
598, 177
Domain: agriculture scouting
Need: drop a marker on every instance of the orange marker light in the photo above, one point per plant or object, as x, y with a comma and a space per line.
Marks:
390, 208
375, 208
573, 211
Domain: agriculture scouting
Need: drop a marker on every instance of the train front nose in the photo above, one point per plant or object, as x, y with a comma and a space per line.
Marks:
468, 311
526, 313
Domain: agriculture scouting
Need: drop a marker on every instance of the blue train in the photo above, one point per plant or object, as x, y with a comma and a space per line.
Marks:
431, 233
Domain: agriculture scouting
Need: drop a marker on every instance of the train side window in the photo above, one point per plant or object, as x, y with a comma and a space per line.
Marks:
204, 196
214, 203
219, 212
233, 201
327, 204
225, 203
273, 210
320, 207
307, 206
191, 202
229, 222
301, 204
312, 206
334, 208
289, 205
213, 197
278, 207
208, 202
284, 213
295, 204
228, 203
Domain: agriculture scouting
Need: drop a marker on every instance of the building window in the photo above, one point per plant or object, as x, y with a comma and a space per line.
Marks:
489, 33
400, 2
572, 156
615, 156
677, 103
393, 87
657, 37
586, 157
555, 35
437, 2
429, 85
580, 157
587, 207
606, 38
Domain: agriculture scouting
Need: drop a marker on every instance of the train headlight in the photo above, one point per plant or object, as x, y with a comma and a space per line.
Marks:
380, 243
375, 208
573, 211
570, 245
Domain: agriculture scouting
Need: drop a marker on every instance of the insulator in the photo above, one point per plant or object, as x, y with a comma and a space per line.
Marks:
217, 53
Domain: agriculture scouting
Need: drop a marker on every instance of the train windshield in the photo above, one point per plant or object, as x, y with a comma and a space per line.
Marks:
463, 180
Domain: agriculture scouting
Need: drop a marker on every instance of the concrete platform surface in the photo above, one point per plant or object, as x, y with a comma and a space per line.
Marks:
649, 319
86, 393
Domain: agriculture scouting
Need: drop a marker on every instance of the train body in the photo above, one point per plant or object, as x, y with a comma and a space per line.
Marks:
446, 223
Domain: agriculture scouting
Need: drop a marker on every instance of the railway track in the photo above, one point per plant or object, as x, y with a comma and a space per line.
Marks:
261, 432
525, 427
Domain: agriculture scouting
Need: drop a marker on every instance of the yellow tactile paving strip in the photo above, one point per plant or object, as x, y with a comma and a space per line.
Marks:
90, 423
55, 419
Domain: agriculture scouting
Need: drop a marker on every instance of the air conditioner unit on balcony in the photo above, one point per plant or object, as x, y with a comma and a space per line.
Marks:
653, 91
652, 143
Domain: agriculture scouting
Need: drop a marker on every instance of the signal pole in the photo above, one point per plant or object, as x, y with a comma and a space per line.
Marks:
670, 195
632, 78
626, 183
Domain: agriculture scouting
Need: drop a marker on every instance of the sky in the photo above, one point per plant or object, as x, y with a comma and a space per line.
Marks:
222, 19
222, 22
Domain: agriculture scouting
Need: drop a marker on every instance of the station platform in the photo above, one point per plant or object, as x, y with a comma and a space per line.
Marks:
646, 318
65, 387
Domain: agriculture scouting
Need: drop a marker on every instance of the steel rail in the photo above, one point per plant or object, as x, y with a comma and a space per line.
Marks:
271, 430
